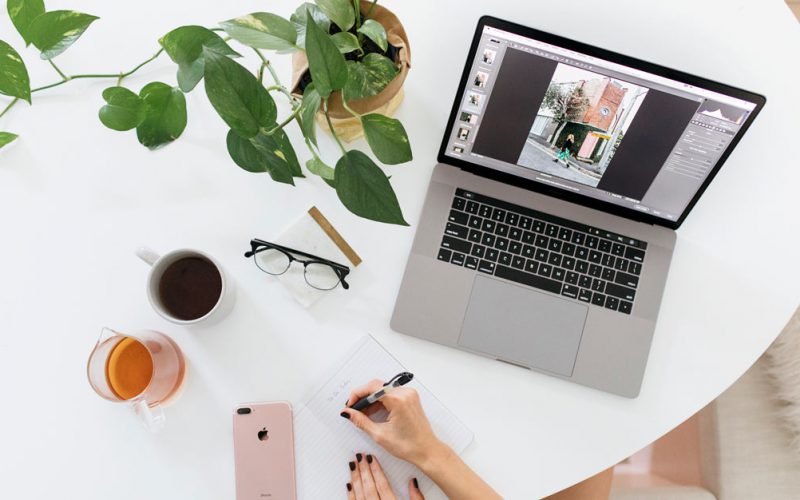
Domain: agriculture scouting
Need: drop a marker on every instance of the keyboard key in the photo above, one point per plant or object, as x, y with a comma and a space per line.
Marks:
499, 215
458, 259
528, 251
635, 268
558, 274
531, 266
502, 230
591, 241
595, 270
585, 281
572, 278
612, 303
475, 236
505, 259
598, 285
551, 230
492, 254
456, 230
444, 254
617, 249
585, 295
515, 233
475, 222
471, 263
627, 280
525, 222
538, 226
564, 234
488, 225
578, 238
472, 207
458, 217
457, 245
515, 247
459, 203
541, 255
568, 263
485, 211
624, 307
542, 241
582, 253
512, 219
568, 249
532, 280
620, 292
608, 274
570, 291
518, 262
582, 266
501, 244
634, 254
554, 259
486, 267
478, 251
621, 265
488, 239
528, 237
554, 246
595, 256
545, 270
604, 246
608, 260
598, 299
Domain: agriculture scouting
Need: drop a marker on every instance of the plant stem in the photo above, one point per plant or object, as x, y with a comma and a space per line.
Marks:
330, 125
60, 73
10, 105
357, 7
285, 122
366, 16
349, 109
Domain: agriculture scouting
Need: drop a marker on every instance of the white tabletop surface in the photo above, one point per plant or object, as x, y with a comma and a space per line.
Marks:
76, 199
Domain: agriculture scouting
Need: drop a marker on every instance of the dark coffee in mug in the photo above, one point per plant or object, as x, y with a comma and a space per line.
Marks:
190, 287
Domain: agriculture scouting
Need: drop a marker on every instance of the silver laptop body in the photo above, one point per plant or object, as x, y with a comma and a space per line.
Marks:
574, 289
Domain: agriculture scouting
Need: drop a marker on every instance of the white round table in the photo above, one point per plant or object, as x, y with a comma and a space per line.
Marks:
77, 199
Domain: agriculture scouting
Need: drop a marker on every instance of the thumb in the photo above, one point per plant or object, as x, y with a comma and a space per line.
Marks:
413, 490
361, 421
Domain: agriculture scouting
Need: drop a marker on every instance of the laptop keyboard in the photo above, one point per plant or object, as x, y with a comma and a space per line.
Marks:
543, 251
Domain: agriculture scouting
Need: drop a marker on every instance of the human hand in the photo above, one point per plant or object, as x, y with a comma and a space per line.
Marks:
406, 434
368, 482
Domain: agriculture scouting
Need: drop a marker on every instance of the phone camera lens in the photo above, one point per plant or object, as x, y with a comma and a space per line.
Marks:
243, 411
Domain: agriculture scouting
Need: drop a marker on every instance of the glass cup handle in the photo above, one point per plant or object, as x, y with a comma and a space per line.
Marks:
152, 417
147, 255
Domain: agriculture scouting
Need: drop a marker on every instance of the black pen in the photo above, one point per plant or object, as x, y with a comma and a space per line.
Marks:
399, 380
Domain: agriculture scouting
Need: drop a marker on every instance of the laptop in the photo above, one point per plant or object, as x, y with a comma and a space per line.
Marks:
549, 222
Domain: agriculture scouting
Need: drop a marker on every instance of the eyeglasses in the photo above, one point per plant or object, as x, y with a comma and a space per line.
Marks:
319, 273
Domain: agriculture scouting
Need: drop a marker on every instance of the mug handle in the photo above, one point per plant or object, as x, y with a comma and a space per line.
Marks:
147, 255
153, 417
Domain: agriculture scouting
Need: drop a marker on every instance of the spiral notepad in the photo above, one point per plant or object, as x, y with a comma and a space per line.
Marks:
325, 442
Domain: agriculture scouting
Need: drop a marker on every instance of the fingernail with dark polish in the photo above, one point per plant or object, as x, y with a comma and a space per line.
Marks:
416, 483
344, 414
352, 466
359, 456
369, 459
349, 487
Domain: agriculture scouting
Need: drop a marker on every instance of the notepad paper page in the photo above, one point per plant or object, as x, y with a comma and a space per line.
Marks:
325, 442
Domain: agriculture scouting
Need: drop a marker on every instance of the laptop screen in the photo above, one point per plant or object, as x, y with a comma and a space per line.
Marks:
591, 126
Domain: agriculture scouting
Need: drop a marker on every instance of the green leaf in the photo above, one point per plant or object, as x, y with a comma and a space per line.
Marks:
308, 112
340, 12
365, 190
184, 46
7, 138
326, 63
375, 32
239, 98
387, 138
53, 32
345, 42
318, 167
14, 80
22, 13
165, 115
299, 19
262, 30
369, 77
125, 110
271, 154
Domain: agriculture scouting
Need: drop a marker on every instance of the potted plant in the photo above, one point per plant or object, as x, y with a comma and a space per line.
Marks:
356, 66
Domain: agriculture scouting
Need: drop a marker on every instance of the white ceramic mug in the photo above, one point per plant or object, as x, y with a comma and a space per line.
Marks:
159, 264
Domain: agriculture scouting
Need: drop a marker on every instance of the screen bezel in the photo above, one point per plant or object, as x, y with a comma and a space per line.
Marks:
757, 99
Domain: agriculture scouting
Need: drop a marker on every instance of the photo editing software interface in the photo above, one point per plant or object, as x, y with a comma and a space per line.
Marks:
591, 126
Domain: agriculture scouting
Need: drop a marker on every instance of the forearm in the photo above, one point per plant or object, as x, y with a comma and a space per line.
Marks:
454, 477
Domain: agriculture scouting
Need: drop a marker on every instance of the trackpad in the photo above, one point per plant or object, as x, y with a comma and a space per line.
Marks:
523, 326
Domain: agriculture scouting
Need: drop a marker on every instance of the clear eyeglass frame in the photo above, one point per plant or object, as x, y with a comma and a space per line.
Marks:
321, 274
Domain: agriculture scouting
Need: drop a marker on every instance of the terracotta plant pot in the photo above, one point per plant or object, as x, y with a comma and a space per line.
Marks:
385, 102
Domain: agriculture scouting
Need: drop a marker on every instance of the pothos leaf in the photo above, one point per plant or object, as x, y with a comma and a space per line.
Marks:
369, 77
14, 80
365, 190
53, 32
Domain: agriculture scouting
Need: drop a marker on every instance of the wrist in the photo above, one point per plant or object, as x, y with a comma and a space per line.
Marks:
435, 458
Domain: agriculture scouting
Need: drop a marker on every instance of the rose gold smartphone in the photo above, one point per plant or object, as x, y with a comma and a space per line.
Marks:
263, 447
